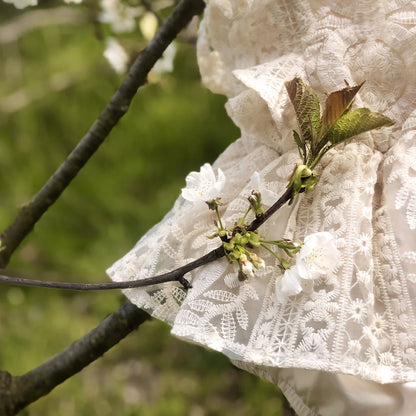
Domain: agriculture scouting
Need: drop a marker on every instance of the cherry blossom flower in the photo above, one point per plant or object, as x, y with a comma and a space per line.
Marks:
203, 185
318, 256
118, 15
258, 183
116, 55
288, 285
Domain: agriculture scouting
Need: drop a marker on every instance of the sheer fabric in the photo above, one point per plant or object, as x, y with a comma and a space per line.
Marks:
361, 321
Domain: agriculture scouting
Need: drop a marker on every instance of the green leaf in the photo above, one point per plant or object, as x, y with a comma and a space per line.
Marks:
337, 103
300, 144
355, 122
307, 108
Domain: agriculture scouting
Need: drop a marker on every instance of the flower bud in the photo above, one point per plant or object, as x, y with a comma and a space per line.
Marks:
247, 268
255, 202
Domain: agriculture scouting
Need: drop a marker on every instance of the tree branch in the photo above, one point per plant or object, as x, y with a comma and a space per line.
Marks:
172, 276
116, 108
18, 392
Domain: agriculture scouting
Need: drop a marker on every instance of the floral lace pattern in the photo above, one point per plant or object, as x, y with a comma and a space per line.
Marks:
362, 319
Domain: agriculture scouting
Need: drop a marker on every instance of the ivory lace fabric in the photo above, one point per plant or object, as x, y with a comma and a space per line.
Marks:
362, 320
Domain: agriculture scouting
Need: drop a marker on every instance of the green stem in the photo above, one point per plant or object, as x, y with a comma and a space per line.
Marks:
219, 218
274, 254
277, 243
245, 215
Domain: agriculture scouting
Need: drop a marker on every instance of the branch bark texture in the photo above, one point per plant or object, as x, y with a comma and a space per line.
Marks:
18, 392
116, 108
174, 275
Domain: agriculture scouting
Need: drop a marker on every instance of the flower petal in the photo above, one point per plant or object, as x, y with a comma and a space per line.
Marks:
291, 283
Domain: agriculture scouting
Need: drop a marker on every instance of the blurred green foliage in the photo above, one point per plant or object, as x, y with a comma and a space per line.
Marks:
55, 82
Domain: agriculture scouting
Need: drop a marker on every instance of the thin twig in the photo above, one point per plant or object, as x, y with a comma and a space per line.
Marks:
172, 276
286, 196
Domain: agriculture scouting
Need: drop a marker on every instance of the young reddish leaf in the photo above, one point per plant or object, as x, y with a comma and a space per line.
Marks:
307, 108
337, 103
355, 122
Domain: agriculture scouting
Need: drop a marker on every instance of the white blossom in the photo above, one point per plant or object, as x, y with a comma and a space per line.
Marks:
73, 1
318, 256
119, 16
116, 55
203, 185
258, 183
165, 63
289, 284
21, 4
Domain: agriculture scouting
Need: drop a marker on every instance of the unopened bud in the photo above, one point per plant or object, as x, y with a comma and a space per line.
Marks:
255, 202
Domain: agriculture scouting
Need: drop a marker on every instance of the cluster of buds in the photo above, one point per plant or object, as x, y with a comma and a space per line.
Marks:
238, 249
318, 134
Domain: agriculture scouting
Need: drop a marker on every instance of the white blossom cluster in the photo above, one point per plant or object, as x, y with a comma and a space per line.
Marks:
317, 258
119, 16
122, 19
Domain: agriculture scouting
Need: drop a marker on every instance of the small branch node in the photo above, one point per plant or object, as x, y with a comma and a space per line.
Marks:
184, 282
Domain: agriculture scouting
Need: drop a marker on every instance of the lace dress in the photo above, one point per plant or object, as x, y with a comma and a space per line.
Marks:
332, 350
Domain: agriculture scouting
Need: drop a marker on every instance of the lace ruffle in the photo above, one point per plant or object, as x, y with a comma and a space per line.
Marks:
360, 321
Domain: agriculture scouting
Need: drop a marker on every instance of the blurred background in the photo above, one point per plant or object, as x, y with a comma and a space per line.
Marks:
54, 83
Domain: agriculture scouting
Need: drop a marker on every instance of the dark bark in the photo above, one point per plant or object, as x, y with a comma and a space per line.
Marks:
17, 392
174, 275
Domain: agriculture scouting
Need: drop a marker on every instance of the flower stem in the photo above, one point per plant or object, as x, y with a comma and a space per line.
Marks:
281, 261
245, 215
219, 218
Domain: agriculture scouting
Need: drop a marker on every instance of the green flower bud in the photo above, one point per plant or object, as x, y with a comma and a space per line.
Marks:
255, 203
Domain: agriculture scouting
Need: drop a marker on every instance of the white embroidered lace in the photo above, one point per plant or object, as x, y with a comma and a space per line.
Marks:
362, 320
